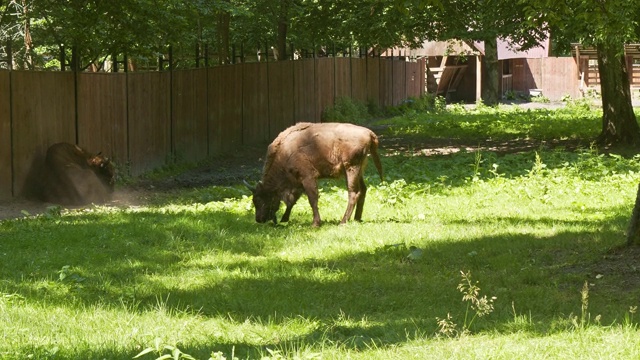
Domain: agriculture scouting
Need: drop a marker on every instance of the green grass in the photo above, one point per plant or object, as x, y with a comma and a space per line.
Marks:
192, 271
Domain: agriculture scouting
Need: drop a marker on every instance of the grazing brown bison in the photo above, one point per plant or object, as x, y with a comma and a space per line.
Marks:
305, 152
73, 176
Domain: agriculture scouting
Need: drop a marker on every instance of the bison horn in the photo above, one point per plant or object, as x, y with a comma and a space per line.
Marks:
251, 188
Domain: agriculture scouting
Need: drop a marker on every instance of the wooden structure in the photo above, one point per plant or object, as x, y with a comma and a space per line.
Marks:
456, 70
448, 75
447, 64
586, 59
144, 120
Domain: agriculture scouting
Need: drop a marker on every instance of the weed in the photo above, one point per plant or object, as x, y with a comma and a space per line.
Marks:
165, 352
628, 317
510, 95
481, 306
476, 307
446, 327
540, 99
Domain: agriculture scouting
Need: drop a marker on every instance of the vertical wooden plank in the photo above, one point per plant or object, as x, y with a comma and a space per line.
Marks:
281, 103
189, 115
399, 82
102, 115
421, 73
6, 171
558, 78
359, 79
343, 77
225, 108
413, 79
373, 81
386, 82
304, 79
255, 103
43, 114
325, 85
149, 120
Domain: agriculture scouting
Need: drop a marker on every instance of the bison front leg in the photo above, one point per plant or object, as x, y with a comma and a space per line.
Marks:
290, 200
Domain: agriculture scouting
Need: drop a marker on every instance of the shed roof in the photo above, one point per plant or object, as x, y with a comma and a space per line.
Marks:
457, 47
507, 51
629, 49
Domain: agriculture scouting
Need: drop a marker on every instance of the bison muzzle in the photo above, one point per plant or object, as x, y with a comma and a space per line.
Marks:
305, 152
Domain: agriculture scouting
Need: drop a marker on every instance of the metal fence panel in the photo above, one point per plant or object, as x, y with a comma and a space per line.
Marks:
189, 115
43, 113
102, 115
149, 120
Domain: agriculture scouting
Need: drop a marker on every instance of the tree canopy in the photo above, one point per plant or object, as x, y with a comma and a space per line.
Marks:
606, 26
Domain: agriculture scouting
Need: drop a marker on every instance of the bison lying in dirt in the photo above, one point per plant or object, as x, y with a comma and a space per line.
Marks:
73, 176
305, 152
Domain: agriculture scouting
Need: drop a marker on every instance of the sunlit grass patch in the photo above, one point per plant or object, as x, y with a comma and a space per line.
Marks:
191, 270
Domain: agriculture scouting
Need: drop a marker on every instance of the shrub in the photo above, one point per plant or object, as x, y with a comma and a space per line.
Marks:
347, 110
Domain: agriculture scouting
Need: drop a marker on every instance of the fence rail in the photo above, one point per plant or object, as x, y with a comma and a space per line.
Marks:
148, 119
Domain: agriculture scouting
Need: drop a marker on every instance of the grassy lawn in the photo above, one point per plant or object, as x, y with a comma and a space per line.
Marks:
503, 240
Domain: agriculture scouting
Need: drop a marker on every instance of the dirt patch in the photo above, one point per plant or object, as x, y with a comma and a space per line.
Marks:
226, 170
621, 263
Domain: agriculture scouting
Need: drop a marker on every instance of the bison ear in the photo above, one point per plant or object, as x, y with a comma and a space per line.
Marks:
251, 188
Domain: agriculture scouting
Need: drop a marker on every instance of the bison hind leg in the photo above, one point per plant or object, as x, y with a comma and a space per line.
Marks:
357, 192
360, 203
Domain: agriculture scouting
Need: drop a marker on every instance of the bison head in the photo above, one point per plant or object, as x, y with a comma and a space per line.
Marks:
104, 168
266, 202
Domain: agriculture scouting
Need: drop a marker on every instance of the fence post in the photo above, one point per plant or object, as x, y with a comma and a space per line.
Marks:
162, 60
9, 59
75, 62
197, 55
206, 55
62, 59
233, 53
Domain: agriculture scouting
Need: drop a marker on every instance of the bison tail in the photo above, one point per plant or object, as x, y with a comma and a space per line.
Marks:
374, 155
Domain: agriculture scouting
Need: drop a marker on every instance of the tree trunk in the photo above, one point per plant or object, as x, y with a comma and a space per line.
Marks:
224, 20
619, 124
28, 42
491, 93
633, 232
283, 26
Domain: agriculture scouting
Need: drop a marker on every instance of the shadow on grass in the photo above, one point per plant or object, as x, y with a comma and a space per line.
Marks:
358, 299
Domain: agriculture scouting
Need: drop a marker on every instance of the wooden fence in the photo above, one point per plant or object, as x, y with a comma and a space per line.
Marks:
148, 119
555, 76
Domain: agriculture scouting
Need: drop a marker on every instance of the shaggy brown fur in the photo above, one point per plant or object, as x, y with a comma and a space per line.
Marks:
305, 152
